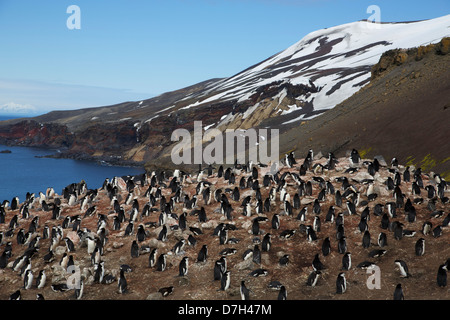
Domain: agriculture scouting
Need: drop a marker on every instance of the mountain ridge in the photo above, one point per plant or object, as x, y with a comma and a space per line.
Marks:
295, 85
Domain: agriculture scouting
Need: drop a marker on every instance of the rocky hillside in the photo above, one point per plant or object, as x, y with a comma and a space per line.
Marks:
313, 215
298, 84
403, 112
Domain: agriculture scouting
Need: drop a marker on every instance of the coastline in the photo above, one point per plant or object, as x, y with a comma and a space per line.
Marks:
61, 153
34, 169
112, 161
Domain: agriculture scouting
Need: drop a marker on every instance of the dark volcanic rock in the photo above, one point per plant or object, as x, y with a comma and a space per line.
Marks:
32, 133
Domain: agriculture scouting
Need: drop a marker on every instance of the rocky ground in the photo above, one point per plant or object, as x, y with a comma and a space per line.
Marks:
145, 282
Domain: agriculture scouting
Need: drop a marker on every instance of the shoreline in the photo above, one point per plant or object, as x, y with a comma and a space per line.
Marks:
60, 153
110, 161
56, 174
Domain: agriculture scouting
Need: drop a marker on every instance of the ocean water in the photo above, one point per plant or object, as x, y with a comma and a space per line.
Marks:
23, 171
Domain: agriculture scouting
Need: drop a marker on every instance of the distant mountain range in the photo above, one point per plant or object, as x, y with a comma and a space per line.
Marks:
285, 91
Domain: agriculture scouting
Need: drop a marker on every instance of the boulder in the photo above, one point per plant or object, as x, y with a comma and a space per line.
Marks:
444, 46
154, 296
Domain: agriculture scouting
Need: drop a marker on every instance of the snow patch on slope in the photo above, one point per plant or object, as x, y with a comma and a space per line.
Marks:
337, 59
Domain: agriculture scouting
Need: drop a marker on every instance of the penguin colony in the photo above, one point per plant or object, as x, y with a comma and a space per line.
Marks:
309, 231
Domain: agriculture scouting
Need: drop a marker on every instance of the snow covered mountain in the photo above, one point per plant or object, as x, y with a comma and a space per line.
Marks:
337, 60
310, 77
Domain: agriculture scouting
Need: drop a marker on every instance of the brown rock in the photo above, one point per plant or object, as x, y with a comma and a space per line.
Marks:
401, 58
444, 46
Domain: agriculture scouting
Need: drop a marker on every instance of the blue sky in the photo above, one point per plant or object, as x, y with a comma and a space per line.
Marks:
132, 50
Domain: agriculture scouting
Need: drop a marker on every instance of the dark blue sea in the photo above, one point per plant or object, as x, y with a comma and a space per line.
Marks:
23, 171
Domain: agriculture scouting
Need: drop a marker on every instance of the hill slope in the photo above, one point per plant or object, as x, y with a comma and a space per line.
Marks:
307, 79
403, 112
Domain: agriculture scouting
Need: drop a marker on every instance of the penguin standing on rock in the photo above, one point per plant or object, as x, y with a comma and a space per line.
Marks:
326, 246
203, 254
79, 290
247, 211
70, 263
403, 268
45, 232
28, 280
313, 278
384, 221
225, 281
134, 249
130, 228
152, 258
437, 232
4, 260
289, 159
282, 294
49, 257
90, 244
41, 279
420, 247
122, 283
302, 214
96, 256
162, 236
316, 224
309, 159
161, 262
275, 221
347, 261
382, 239
442, 276
391, 209
310, 234
64, 260
183, 267
255, 227
351, 208
20, 237
366, 239
256, 258
266, 242
220, 266
99, 272
398, 231
69, 245
179, 247
16, 295
355, 158
317, 264
341, 283
330, 214
244, 291
398, 292
284, 260
342, 245
140, 234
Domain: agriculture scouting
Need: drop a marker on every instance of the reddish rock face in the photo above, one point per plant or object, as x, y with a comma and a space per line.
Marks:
32, 133
126, 136
97, 140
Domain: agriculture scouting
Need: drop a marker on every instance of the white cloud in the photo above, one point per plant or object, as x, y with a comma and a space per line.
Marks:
41, 97
17, 108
